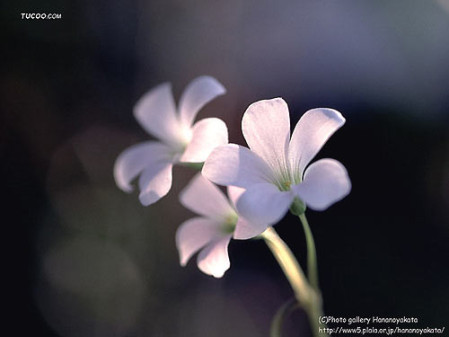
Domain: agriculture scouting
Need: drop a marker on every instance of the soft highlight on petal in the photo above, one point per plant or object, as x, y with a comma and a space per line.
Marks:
207, 134
198, 93
194, 234
213, 259
266, 128
204, 198
325, 182
311, 132
156, 113
135, 159
236, 165
155, 182
264, 204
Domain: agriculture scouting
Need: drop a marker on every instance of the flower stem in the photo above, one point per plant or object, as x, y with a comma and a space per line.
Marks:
195, 166
307, 296
312, 268
289, 265
312, 272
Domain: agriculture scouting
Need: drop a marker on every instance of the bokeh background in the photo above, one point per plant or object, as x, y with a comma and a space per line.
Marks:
85, 259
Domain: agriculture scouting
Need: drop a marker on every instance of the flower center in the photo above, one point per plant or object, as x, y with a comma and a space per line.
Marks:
283, 179
181, 141
228, 226
186, 135
178, 149
285, 185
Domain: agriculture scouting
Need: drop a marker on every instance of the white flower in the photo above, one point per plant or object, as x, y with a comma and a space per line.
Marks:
213, 229
272, 172
181, 141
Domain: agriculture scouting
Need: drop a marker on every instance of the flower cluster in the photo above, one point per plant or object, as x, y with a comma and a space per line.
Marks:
263, 181
180, 141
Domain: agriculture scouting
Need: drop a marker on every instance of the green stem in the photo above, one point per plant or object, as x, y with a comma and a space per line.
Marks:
289, 265
312, 267
312, 272
195, 166
307, 296
282, 313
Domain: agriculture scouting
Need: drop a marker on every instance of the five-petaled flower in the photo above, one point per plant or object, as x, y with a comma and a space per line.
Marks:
273, 171
181, 141
213, 229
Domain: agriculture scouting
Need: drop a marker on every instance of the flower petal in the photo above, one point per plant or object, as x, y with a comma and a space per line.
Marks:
204, 198
213, 259
207, 135
236, 165
264, 204
156, 113
194, 234
245, 230
234, 194
198, 93
155, 182
311, 132
325, 182
135, 159
266, 128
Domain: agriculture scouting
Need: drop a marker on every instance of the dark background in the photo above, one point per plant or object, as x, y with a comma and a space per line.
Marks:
84, 259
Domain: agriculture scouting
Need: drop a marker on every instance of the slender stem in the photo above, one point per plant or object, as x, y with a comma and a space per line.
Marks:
289, 265
312, 267
316, 309
195, 166
307, 296
278, 319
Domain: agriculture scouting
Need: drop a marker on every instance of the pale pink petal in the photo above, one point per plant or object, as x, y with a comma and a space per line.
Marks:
204, 198
156, 113
246, 230
243, 229
207, 134
264, 204
236, 165
155, 182
325, 182
198, 93
213, 259
136, 159
194, 234
234, 194
310, 134
266, 127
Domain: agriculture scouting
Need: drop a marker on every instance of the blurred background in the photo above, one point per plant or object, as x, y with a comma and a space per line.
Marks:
85, 259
